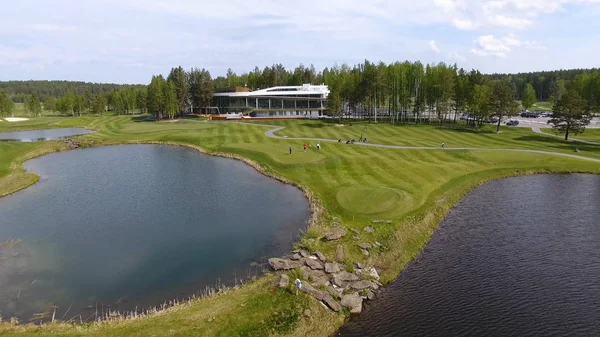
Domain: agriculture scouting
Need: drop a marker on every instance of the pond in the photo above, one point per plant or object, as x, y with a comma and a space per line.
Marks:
136, 225
48, 134
516, 257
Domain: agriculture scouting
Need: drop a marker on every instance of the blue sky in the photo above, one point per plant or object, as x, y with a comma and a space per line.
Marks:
126, 41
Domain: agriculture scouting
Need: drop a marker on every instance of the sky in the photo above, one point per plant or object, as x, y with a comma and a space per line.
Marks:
127, 41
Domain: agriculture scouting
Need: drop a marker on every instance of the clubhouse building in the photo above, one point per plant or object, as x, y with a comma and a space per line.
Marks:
305, 101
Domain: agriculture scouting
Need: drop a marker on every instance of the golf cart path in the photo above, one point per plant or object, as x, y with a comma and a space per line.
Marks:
271, 134
537, 129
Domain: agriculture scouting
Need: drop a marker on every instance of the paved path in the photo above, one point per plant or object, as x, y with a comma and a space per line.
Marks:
537, 129
271, 134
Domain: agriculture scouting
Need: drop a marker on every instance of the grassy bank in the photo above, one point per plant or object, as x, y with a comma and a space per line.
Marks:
354, 184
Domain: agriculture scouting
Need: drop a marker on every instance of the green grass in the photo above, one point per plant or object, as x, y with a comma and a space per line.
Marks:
354, 184
539, 106
592, 135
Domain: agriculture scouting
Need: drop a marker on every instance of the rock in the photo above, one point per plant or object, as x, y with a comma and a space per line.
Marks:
355, 231
334, 292
369, 229
307, 312
317, 277
339, 253
378, 244
332, 268
353, 302
332, 303
365, 252
336, 234
364, 284
313, 258
312, 291
342, 278
321, 256
370, 272
335, 224
355, 237
296, 257
359, 265
314, 264
365, 245
282, 264
378, 283
370, 294
284, 281
310, 241
388, 221
304, 253
296, 251
377, 221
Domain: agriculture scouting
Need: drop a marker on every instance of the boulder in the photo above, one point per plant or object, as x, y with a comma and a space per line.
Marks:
284, 281
304, 253
369, 229
378, 221
307, 312
320, 256
317, 277
370, 294
332, 268
343, 278
365, 245
353, 302
378, 244
332, 303
282, 264
368, 272
335, 224
364, 284
296, 257
355, 237
365, 252
339, 253
336, 234
314, 264
388, 221
337, 294
312, 291
359, 265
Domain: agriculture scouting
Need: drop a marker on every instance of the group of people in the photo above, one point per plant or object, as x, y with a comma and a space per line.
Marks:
309, 147
352, 141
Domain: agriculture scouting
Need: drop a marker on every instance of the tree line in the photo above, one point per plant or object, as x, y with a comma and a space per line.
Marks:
395, 92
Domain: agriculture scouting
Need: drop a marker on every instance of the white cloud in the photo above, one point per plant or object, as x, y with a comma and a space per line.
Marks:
433, 46
463, 24
489, 45
508, 22
456, 56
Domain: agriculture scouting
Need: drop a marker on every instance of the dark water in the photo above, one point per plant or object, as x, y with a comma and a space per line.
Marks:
516, 257
135, 225
48, 134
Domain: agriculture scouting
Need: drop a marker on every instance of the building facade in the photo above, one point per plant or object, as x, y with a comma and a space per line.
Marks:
305, 101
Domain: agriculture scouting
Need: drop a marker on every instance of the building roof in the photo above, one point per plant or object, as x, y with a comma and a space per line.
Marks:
281, 91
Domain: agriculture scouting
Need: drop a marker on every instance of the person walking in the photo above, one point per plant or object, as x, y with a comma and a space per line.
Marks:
443, 145
318, 145
304, 147
290, 150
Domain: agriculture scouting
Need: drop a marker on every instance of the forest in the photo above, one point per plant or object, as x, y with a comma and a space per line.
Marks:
395, 91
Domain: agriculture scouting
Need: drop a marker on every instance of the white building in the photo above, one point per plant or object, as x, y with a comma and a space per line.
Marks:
305, 101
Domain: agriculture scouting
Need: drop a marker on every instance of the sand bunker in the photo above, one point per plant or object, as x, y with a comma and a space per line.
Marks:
16, 119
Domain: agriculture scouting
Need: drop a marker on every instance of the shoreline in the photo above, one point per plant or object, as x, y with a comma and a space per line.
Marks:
427, 216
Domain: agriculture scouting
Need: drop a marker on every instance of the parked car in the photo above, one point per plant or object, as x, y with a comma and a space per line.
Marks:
512, 122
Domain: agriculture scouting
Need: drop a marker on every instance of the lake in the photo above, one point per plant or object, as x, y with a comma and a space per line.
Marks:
47, 134
135, 225
515, 257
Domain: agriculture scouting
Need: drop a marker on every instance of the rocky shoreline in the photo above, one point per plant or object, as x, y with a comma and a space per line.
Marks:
331, 281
